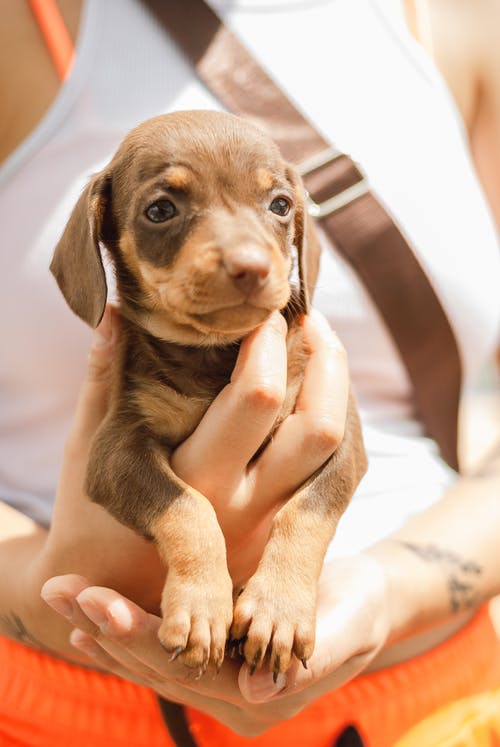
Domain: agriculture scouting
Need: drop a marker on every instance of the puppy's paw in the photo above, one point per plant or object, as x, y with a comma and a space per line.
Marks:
196, 621
273, 621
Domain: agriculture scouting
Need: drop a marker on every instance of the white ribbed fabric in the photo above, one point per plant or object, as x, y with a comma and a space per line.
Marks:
368, 86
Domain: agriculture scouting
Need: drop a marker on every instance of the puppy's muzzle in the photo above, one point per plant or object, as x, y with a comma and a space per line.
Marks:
248, 267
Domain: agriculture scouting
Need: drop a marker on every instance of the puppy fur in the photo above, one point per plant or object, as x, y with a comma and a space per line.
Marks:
203, 220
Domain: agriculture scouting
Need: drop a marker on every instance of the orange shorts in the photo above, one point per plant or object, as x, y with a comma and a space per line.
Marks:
48, 703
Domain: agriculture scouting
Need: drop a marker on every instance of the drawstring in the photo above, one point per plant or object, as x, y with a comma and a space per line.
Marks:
175, 719
349, 738
174, 716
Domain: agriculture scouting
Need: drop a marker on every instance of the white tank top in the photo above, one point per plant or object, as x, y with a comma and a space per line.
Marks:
355, 70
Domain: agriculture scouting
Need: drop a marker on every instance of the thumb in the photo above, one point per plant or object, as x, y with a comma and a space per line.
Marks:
93, 399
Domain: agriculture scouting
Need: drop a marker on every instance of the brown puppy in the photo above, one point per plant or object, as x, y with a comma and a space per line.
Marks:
202, 216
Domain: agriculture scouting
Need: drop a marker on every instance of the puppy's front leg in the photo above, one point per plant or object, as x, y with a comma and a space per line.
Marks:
130, 475
275, 614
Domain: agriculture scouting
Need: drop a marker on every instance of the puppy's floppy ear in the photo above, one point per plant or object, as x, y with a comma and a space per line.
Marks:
77, 263
305, 241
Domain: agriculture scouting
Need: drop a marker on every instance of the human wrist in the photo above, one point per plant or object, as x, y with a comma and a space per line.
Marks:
21, 539
33, 622
24, 617
416, 590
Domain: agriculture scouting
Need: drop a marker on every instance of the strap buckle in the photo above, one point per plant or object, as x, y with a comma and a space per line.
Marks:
340, 200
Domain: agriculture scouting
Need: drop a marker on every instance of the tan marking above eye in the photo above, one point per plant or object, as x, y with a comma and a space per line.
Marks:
265, 179
178, 177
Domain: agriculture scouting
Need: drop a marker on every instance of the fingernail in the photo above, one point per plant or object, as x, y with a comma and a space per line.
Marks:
279, 322
61, 605
119, 613
93, 611
261, 687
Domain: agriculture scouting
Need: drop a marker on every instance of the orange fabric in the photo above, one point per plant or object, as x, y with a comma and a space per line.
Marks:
55, 33
48, 703
45, 702
471, 722
384, 705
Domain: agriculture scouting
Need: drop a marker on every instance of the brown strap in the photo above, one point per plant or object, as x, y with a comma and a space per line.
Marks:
174, 716
359, 227
349, 738
366, 235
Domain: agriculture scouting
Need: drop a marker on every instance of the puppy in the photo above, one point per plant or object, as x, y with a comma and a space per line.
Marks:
202, 219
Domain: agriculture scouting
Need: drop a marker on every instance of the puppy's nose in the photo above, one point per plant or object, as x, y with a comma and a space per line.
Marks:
249, 267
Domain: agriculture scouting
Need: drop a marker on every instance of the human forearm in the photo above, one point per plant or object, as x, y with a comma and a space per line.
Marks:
445, 560
24, 616
21, 539
21, 542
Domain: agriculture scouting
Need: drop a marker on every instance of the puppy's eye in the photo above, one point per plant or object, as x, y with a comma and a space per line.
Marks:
280, 206
161, 211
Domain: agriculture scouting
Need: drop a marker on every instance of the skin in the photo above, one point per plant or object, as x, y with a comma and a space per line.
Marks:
407, 583
465, 48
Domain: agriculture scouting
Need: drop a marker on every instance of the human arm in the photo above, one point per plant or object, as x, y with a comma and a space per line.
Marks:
25, 547
367, 603
392, 594
395, 593
462, 38
465, 48
21, 541
84, 538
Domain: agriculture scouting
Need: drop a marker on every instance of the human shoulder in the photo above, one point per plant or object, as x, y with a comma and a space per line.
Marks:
466, 48
466, 36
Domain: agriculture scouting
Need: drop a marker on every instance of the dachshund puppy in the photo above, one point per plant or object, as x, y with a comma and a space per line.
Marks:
202, 219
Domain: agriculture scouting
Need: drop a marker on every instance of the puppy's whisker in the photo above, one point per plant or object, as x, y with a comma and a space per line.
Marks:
295, 307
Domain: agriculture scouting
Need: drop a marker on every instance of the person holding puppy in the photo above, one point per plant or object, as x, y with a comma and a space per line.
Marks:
416, 553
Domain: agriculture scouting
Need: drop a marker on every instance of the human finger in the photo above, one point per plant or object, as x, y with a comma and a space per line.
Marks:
240, 417
105, 625
227, 713
87, 644
327, 669
352, 626
94, 393
100, 613
60, 592
126, 634
129, 635
311, 434
115, 663
115, 646
117, 634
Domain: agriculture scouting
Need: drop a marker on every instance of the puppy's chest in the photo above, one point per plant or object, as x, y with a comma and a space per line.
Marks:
172, 415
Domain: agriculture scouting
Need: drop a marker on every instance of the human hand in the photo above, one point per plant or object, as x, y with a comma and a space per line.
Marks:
86, 539
216, 459
353, 624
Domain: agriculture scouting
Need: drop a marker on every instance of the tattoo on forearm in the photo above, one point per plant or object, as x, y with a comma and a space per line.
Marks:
462, 576
13, 627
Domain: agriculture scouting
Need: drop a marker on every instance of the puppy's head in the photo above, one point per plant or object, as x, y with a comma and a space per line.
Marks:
202, 218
